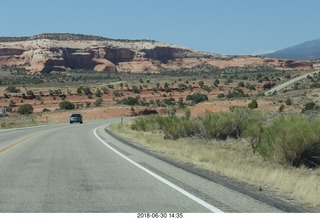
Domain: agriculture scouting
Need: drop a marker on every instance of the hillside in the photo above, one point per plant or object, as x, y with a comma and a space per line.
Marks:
305, 51
61, 52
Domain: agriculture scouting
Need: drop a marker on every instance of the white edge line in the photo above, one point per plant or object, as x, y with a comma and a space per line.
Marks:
194, 198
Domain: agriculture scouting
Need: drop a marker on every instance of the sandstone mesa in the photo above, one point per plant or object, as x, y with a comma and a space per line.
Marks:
42, 55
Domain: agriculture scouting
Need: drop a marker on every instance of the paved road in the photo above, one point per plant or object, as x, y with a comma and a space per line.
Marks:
80, 168
288, 83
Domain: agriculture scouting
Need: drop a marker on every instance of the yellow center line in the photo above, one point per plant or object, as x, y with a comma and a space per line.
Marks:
29, 137
18, 142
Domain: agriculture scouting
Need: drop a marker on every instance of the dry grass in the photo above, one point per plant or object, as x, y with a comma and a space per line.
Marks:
234, 159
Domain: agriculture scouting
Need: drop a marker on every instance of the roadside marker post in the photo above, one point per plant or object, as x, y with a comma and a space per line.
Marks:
4, 113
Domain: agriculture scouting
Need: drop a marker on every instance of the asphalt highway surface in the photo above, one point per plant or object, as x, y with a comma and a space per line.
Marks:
81, 168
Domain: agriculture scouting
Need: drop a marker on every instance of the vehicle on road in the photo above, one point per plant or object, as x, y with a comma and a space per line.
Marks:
76, 117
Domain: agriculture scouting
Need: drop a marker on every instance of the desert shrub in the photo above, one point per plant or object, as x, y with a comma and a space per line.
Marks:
12, 103
173, 127
25, 109
221, 96
98, 102
149, 123
253, 104
288, 102
131, 101
66, 105
291, 140
117, 93
46, 110
187, 112
136, 89
169, 102
239, 122
79, 90
236, 93
12, 89
310, 106
30, 92
197, 98
281, 108
219, 125
98, 93
105, 90
181, 104
86, 90
181, 128
88, 104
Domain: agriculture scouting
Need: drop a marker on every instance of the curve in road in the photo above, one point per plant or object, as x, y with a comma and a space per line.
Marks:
81, 168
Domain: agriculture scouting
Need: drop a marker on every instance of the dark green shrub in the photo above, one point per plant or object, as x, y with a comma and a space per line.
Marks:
281, 108
169, 102
197, 98
86, 90
253, 104
12, 89
88, 104
310, 106
66, 105
45, 110
288, 102
30, 92
131, 101
98, 93
136, 89
236, 93
98, 102
221, 95
25, 109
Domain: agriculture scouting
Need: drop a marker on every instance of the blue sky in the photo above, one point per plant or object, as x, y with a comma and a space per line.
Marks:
229, 27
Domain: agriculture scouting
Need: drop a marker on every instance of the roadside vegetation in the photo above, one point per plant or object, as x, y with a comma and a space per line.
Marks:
278, 153
290, 140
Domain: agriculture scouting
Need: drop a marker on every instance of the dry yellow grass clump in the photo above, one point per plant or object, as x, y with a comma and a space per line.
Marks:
234, 159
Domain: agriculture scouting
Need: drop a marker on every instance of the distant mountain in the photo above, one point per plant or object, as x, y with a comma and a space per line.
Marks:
305, 51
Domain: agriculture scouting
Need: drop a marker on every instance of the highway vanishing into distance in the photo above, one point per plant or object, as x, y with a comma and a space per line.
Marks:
81, 168
290, 82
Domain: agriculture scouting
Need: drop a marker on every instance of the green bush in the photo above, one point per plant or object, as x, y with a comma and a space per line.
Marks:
98, 102
291, 140
66, 105
131, 101
253, 104
46, 110
197, 98
30, 92
239, 122
25, 109
12, 89
310, 106
288, 102
173, 127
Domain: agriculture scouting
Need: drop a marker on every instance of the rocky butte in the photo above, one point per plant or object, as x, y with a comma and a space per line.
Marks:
60, 52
